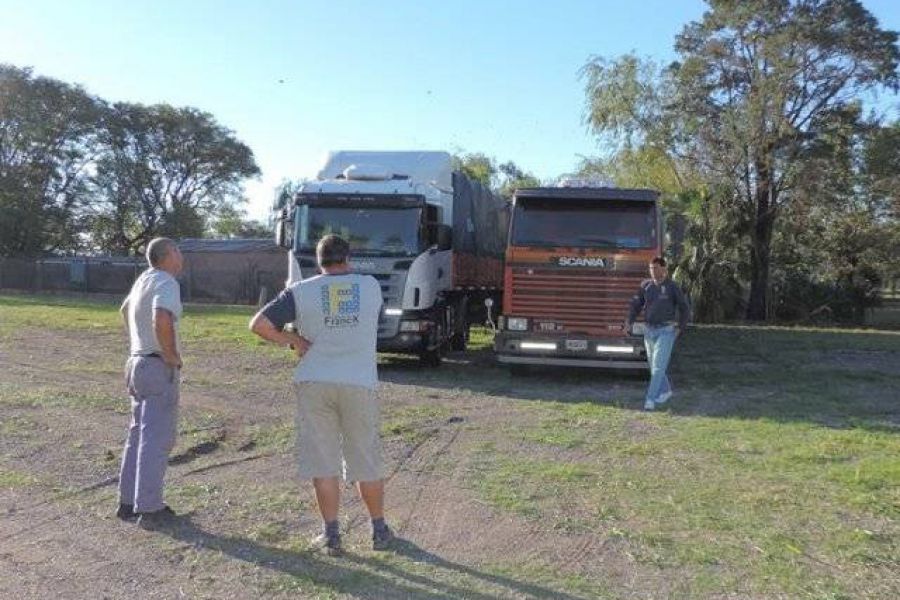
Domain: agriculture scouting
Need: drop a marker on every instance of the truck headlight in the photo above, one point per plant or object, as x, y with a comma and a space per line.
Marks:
393, 312
537, 346
638, 329
517, 324
616, 349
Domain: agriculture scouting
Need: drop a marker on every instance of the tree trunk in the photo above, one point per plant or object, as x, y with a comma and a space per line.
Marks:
761, 252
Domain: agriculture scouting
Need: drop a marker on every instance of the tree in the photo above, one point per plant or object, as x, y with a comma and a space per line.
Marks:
166, 171
754, 80
284, 193
49, 136
701, 223
882, 168
881, 173
515, 178
477, 166
502, 179
755, 83
837, 242
230, 222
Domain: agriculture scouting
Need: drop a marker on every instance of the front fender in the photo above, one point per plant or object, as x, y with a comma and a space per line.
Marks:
430, 273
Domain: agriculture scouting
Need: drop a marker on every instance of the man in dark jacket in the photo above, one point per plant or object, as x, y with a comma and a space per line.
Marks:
660, 298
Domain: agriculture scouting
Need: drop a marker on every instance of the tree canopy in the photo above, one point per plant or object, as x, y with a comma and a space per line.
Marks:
79, 173
757, 87
49, 136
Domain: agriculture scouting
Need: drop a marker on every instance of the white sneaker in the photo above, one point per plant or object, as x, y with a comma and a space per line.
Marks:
663, 398
649, 405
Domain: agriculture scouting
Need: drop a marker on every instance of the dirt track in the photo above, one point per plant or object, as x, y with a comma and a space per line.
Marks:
59, 538
247, 519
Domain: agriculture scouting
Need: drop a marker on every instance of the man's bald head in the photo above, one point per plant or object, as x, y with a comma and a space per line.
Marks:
158, 249
163, 253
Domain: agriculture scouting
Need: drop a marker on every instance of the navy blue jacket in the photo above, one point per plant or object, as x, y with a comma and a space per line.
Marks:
660, 304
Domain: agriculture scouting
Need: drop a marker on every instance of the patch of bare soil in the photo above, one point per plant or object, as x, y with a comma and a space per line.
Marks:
60, 539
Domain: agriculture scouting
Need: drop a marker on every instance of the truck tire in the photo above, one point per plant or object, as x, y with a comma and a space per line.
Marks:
460, 340
431, 358
459, 325
433, 353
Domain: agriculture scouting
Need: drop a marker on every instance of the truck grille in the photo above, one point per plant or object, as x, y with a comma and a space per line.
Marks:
589, 301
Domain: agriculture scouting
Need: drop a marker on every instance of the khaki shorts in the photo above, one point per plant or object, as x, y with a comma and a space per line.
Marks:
336, 421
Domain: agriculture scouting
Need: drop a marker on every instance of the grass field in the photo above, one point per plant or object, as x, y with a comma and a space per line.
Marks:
774, 474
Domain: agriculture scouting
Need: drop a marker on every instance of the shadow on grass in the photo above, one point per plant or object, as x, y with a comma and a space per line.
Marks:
478, 371
362, 576
833, 378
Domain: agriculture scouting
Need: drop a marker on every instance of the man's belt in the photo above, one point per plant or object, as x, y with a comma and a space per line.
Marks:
150, 355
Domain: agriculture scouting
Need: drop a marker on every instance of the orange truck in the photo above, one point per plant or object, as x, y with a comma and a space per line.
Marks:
574, 259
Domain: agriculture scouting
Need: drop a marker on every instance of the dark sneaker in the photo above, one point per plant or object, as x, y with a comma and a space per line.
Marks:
382, 539
126, 512
331, 544
156, 519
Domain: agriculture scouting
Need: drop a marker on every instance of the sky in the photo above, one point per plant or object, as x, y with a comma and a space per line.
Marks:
296, 79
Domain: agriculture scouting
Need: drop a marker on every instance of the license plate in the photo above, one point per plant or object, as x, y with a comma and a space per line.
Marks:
576, 344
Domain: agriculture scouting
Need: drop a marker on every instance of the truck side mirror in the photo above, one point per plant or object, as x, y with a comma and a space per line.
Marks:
282, 237
444, 237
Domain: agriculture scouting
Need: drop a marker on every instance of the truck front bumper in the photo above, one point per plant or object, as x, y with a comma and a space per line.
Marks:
523, 348
404, 342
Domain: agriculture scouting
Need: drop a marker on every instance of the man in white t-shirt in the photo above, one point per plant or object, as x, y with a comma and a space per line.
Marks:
151, 312
335, 317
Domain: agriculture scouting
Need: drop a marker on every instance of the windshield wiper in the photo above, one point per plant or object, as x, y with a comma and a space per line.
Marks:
384, 253
599, 241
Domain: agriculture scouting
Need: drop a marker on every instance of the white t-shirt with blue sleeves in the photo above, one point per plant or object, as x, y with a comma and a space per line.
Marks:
338, 314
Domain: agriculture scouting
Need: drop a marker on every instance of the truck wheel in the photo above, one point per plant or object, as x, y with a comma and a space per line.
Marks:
431, 358
434, 356
460, 340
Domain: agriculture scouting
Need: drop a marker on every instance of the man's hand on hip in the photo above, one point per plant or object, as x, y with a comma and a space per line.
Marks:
172, 360
299, 344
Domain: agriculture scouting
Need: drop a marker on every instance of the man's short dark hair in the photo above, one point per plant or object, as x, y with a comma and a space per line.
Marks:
158, 249
658, 260
332, 250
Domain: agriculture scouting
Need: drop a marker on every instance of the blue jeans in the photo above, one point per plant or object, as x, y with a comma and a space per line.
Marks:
659, 342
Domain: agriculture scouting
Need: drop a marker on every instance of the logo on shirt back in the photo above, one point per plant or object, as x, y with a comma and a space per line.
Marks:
340, 304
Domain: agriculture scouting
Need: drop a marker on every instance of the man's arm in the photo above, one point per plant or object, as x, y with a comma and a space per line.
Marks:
123, 310
634, 309
264, 328
164, 327
269, 323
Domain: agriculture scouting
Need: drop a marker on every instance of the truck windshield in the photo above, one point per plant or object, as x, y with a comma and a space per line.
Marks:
555, 222
370, 231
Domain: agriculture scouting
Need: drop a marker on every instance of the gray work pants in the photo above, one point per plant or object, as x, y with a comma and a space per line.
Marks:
153, 388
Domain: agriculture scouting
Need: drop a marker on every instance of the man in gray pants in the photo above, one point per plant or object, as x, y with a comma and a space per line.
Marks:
151, 313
